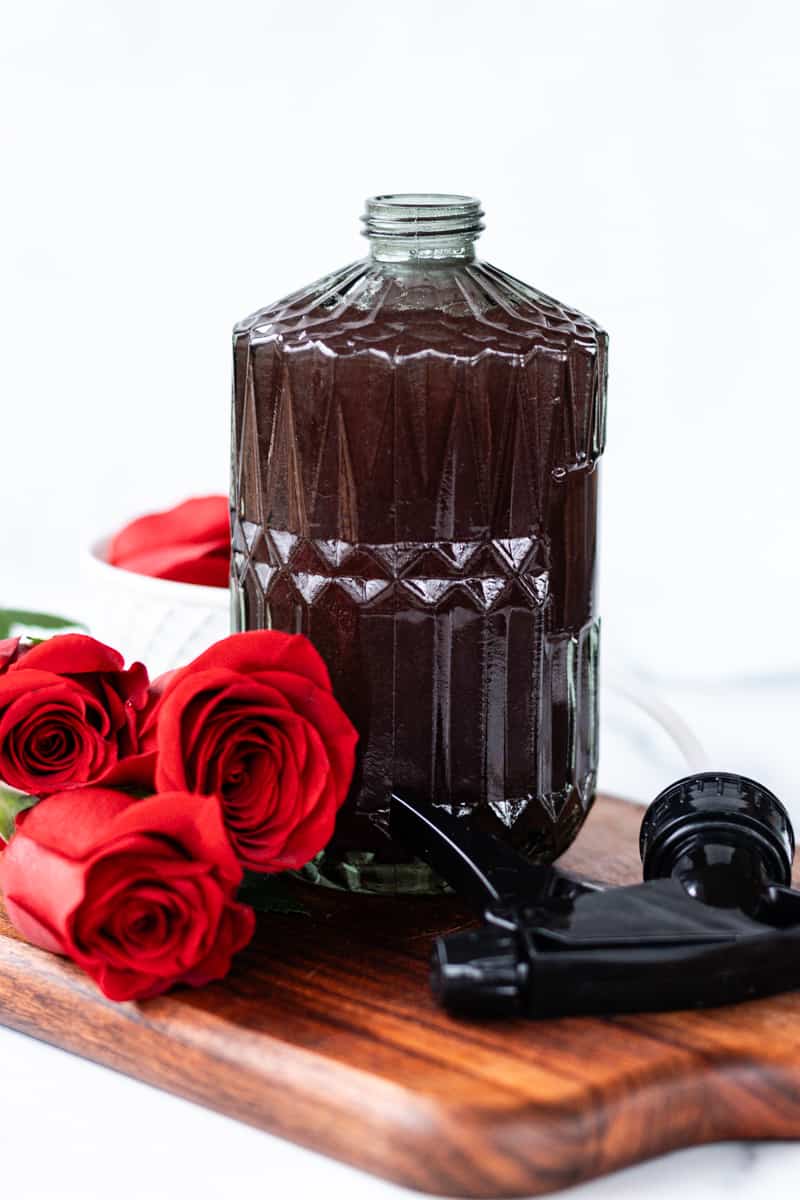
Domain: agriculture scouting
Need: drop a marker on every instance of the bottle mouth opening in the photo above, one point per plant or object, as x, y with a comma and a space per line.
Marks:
419, 215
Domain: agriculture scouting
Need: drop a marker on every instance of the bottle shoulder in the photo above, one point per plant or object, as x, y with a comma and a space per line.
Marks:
460, 310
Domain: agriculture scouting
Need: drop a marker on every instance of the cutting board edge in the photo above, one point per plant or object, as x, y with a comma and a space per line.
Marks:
333, 1068
564, 1145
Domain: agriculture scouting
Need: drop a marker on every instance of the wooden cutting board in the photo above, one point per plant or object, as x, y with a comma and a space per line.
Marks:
325, 1033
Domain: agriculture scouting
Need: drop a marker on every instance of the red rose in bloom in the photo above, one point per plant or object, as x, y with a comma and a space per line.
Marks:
190, 543
254, 721
69, 715
140, 893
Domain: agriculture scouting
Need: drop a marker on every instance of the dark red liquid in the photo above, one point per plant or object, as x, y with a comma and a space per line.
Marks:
415, 488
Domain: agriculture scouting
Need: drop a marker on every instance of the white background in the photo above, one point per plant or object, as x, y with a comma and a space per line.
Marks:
168, 167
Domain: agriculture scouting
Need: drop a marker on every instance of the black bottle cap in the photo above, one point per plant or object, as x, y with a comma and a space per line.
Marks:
478, 972
709, 805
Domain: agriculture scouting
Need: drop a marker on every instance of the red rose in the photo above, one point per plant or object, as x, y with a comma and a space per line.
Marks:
140, 893
69, 715
190, 543
254, 721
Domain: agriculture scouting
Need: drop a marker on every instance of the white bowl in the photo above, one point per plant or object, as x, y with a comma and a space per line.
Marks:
155, 621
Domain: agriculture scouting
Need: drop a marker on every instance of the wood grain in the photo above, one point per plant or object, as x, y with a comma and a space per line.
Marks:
325, 1033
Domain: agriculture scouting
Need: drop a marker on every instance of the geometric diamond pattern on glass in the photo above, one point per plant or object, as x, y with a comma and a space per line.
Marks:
415, 488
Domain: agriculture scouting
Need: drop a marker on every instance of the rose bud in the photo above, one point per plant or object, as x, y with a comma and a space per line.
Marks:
140, 893
69, 715
190, 543
254, 721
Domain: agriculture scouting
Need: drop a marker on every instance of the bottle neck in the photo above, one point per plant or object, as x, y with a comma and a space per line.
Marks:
427, 228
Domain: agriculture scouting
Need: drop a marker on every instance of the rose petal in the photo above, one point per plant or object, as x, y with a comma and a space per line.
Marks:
41, 889
71, 823
136, 771
259, 652
200, 519
206, 564
71, 654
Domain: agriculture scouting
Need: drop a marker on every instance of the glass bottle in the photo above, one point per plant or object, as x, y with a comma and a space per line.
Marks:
415, 466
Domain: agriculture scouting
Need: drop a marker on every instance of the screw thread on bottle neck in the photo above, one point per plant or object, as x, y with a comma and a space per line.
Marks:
411, 227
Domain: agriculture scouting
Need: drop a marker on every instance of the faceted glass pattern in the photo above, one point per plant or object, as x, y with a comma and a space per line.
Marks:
415, 488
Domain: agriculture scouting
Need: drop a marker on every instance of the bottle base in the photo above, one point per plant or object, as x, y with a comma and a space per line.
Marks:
363, 871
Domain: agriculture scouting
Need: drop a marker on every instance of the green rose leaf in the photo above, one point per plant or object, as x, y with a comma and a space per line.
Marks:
12, 803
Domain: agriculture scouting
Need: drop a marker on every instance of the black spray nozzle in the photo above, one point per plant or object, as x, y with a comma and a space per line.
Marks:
707, 819
713, 922
479, 972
